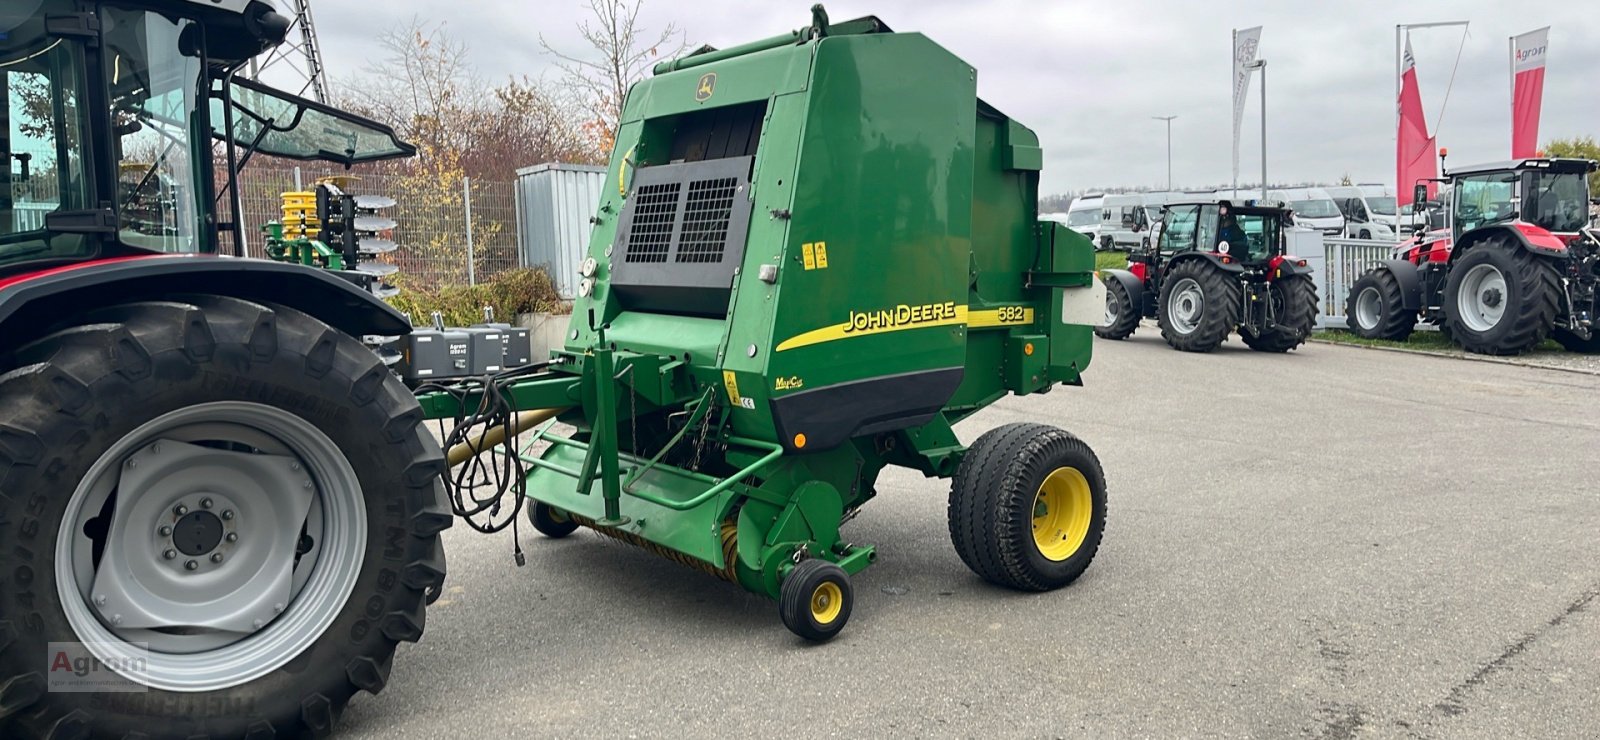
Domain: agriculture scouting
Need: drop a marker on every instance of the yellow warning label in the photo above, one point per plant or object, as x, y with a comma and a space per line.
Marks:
822, 255
808, 256
732, 382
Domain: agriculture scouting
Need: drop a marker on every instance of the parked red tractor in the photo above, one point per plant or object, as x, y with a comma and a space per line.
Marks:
1515, 264
1216, 268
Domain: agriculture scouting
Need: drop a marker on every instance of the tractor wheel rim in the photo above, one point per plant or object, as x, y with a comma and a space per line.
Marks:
259, 563
1367, 309
1062, 511
1112, 308
1481, 299
827, 600
1186, 306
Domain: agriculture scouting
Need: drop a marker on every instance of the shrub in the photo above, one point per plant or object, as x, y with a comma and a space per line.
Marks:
511, 292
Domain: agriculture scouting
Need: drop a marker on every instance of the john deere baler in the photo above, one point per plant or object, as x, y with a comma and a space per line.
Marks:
816, 253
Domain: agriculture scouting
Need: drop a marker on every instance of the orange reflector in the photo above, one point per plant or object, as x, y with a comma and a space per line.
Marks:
1027, 349
1301, 263
799, 441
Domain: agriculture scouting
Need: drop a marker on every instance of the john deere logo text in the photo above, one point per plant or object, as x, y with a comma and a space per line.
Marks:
708, 85
900, 316
867, 323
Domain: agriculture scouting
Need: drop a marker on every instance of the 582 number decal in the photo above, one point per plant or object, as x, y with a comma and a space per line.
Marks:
1013, 315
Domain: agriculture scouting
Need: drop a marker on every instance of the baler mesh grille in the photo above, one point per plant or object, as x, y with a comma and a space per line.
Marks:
655, 213
706, 213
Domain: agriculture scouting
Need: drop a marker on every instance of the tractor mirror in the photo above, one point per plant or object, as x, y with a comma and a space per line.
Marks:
1420, 193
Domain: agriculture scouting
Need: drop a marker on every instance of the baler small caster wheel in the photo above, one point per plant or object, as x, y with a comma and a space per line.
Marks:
549, 522
815, 600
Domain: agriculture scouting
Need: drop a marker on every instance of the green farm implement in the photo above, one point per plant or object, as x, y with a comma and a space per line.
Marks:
818, 253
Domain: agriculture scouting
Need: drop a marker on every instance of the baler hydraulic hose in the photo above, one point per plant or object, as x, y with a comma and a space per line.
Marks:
496, 435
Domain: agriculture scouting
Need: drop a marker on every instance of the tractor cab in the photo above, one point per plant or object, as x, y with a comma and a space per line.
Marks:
1247, 234
1549, 194
111, 114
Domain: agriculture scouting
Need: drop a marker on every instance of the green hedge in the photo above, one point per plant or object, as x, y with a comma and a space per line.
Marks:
511, 292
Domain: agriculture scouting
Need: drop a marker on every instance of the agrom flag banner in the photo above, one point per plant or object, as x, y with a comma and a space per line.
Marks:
1413, 147
1245, 43
1527, 90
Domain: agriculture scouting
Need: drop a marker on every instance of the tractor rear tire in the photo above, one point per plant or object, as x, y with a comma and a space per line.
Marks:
1501, 299
1375, 308
1028, 507
1207, 302
1574, 343
1122, 317
815, 600
549, 522
1294, 300
211, 392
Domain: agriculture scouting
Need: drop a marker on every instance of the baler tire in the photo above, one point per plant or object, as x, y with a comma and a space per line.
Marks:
1574, 343
1532, 299
1296, 295
815, 600
994, 501
1222, 296
1127, 319
1394, 321
79, 396
549, 522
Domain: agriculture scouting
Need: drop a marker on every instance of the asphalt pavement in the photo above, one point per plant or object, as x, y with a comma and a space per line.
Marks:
1335, 542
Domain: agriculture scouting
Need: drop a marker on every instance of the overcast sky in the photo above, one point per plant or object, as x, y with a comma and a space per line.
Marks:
1087, 76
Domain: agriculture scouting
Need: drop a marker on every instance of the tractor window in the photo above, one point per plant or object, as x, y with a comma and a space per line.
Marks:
1260, 232
1178, 234
1559, 201
42, 129
1485, 199
154, 89
1207, 228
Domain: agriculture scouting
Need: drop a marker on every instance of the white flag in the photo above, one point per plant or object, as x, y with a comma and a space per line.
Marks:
1244, 52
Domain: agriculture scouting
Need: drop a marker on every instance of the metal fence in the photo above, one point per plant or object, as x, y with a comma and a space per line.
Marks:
456, 233
1343, 262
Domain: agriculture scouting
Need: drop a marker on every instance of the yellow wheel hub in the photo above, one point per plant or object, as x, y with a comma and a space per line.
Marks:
826, 602
1062, 510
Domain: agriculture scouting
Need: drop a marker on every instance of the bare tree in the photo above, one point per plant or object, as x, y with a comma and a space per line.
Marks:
427, 90
623, 53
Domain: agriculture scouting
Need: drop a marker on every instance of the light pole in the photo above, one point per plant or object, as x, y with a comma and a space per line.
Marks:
1168, 119
1261, 64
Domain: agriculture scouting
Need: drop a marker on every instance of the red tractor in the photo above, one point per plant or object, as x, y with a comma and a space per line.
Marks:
1514, 264
1216, 268
215, 501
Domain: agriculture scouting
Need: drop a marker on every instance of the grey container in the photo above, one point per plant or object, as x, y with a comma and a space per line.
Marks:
554, 205
434, 354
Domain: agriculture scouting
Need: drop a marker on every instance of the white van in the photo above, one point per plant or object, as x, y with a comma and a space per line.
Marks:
1083, 216
1313, 209
1123, 221
1369, 211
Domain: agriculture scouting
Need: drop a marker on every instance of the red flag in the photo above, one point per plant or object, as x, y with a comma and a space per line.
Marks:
1527, 90
1414, 152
